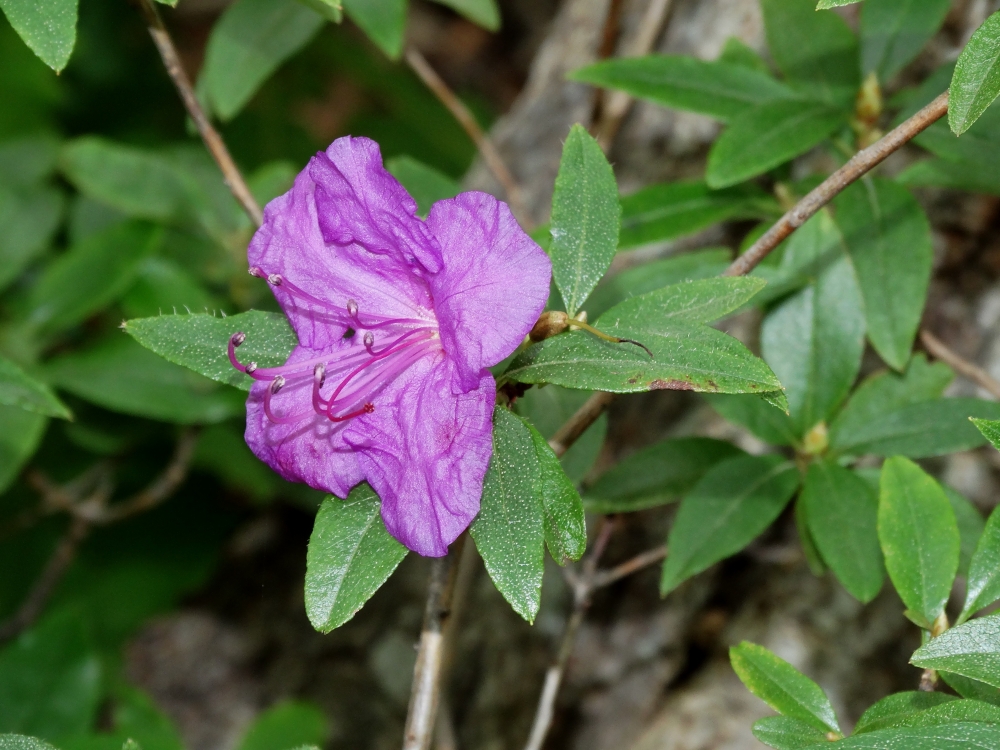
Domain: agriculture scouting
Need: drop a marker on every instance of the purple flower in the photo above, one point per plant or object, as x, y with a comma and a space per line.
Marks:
397, 320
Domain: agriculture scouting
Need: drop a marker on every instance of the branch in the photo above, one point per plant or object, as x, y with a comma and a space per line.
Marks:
627, 568
213, 141
576, 425
862, 163
468, 121
963, 367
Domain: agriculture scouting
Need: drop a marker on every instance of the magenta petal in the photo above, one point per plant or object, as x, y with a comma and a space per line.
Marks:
425, 452
311, 450
361, 203
494, 283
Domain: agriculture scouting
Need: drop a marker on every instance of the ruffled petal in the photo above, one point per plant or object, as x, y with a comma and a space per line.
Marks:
425, 452
312, 450
361, 203
494, 283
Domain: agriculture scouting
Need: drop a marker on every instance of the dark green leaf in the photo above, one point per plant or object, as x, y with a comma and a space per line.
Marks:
842, 515
223, 451
425, 184
768, 136
786, 733
717, 89
983, 586
200, 342
889, 240
161, 286
971, 649
919, 537
974, 689
510, 529
482, 12
990, 429
976, 82
120, 375
657, 474
782, 686
952, 711
975, 156
19, 439
895, 708
734, 502
894, 31
548, 409
384, 21
289, 724
19, 389
738, 52
22, 742
976, 177
26, 161
585, 219
47, 26
30, 216
761, 418
970, 528
962, 735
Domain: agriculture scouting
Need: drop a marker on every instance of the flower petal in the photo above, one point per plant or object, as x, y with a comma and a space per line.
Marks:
312, 450
425, 451
494, 283
361, 203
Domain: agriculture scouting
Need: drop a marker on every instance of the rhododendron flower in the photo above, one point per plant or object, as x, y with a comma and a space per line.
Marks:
397, 320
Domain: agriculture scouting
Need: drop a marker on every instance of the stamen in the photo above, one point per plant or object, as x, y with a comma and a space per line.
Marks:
277, 384
319, 377
235, 340
375, 358
251, 368
369, 340
366, 409
352, 308
275, 279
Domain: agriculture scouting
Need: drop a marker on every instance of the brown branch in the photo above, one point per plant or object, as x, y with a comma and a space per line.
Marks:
862, 163
963, 367
213, 141
576, 425
627, 568
468, 121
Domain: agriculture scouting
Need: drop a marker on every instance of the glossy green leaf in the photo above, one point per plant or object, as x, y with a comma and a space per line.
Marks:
960, 710
482, 12
970, 527
426, 184
585, 219
90, 275
919, 537
120, 375
894, 31
990, 428
657, 474
898, 707
983, 585
19, 389
827, 4
782, 686
384, 21
973, 689
200, 342
961, 735
30, 216
510, 529
22, 742
286, 725
761, 418
733, 503
814, 341
889, 240
971, 649
48, 27
548, 409
565, 525
249, 42
842, 515
786, 733
717, 89
19, 440
767, 136
350, 556
815, 50
976, 82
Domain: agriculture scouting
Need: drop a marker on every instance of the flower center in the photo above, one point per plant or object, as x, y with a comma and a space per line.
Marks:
344, 383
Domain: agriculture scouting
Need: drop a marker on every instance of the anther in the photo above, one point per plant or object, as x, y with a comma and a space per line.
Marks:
256, 272
352, 308
369, 340
369, 408
277, 384
251, 368
319, 374
238, 338
275, 279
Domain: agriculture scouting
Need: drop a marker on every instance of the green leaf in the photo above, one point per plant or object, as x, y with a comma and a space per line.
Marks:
482, 12
28, 160
565, 525
768, 136
786, 733
350, 556
889, 240
716, 89
782, 686
971, 649
249, 42
990, 429
827, 4
737, 52
761, 418
734, 502
974, 177
961, 735
48, 27
585, 219
974, 157
983, 586
331, 10
30, 216
686, 355
657, 474
19, 440
22, 742
976, 81
384, 21
120, 375
894, 31
510, 529
970, 528
895, 708
289, 724
842, 515
548, 409
816, 51
951, 711
160, 286
200, 342
674, 209
426, 184
919, 537
973, 689
19, 389
50, 680
814, 342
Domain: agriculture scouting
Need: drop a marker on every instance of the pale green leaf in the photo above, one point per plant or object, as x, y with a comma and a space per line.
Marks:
22, 742
486, 13
976, 82
894, 31
983, 586
990, 429
48, 27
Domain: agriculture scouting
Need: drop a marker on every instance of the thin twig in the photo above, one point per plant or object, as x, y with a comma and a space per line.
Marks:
425, 693
963, 367
859, 165
627, 568
468, 121
213, 141
576, 425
